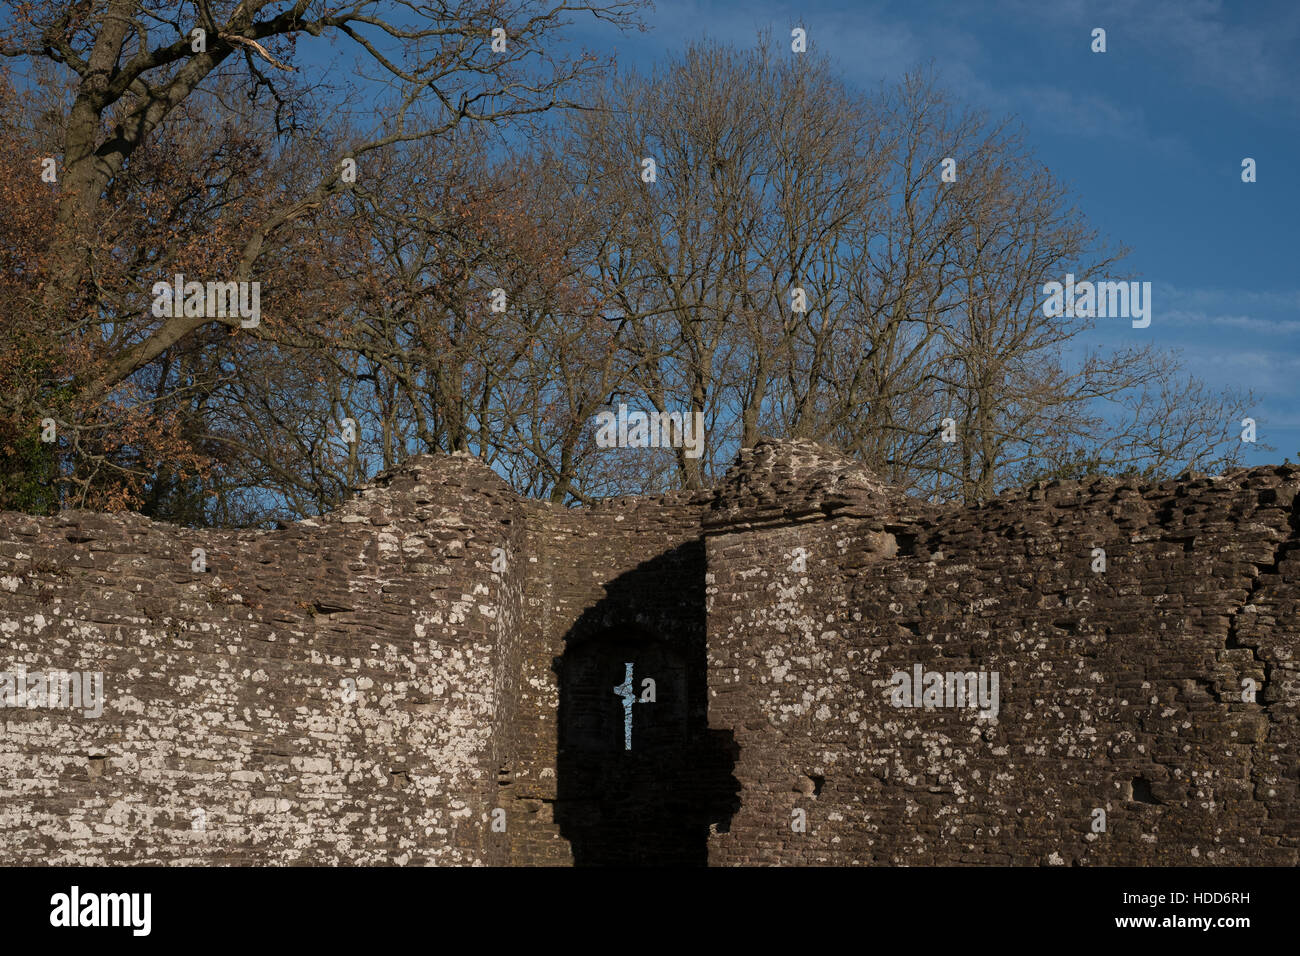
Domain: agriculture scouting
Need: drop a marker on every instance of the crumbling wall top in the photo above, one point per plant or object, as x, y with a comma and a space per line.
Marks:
777, 482
426, 486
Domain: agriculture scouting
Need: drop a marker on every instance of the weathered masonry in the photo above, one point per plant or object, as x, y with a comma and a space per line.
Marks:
438, 673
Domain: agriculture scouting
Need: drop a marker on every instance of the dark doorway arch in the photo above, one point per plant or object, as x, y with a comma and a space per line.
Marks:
651, 796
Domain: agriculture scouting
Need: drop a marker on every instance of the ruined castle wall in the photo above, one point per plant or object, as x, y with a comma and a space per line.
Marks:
1120, 691
230, 732
371, 686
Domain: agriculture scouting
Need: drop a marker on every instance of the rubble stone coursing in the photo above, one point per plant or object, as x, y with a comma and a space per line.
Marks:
384, 684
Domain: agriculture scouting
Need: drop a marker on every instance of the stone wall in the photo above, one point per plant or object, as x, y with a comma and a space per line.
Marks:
326, 693
428, 676
1121, 690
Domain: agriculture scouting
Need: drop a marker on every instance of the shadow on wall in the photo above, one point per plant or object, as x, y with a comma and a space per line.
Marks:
640, 777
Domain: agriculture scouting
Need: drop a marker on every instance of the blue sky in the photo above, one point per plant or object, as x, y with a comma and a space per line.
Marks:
1150, 136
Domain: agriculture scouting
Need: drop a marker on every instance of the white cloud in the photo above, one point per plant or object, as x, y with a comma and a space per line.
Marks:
1243, 322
